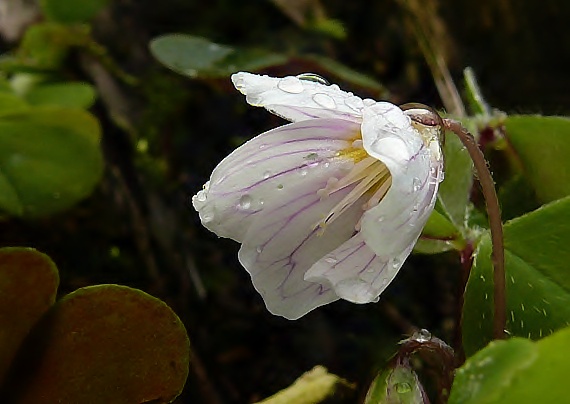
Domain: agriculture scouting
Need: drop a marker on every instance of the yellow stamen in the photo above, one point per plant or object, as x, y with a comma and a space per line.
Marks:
370, 175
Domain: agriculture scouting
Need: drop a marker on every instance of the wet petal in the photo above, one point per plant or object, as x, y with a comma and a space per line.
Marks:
416, 167
271, 169
284, 242
355, 272
298, 100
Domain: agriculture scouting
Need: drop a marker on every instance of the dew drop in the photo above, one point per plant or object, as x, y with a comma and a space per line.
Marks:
422, 336
396, 263
259, 249
354, 103
314, 78
331, 260
380, 219
244, 202
280, 186
416, 184
304, 172
291, 85
266, 174
403, 387
368, 102
324, 100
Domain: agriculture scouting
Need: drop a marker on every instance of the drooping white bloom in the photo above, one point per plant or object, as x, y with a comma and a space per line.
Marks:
326, 207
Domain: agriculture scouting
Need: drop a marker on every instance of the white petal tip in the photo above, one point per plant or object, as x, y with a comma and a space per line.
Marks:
238, 79
356, 291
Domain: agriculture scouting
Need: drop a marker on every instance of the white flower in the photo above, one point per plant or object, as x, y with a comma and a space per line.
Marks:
326, 207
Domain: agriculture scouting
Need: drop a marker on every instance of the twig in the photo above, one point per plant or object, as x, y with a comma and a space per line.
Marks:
431, 36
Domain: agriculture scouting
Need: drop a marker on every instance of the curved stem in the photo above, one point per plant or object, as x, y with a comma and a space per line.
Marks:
495, 223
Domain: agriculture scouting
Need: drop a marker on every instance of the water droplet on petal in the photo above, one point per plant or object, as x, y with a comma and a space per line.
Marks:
403, 387
331, 260
280, 186
416, 184
266, 174
354, 103
396, 263
207, 217
244, 202
324, 100
291, 85
380, 219
368, 102
314, 78
259, 249
304, 172
422, 335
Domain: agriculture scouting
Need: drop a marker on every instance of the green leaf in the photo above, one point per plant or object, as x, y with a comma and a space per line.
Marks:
28, 286
399, 385
454, 191
312, 387
541, 143
473, 94
72, 11
70, 94
102, 344
45, 46
439, 235
50, 158
188, 55
347, 74
10, 103
194, 56
516, 371
538, 280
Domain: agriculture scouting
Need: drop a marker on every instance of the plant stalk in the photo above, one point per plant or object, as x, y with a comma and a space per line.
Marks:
495, 224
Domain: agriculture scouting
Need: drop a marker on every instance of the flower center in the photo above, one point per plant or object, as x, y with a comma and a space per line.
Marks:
369, 176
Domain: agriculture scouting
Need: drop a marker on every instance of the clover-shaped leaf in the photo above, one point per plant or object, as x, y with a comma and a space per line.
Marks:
538, 281
28, 285
99, 344
515, 371
40, 172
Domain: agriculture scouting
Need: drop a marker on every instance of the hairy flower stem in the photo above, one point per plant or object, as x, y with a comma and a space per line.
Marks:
495, 223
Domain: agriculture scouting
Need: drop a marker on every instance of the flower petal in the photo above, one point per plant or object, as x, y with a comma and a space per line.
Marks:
298, 100
284, 242
271, 169
355, 272
416, 167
